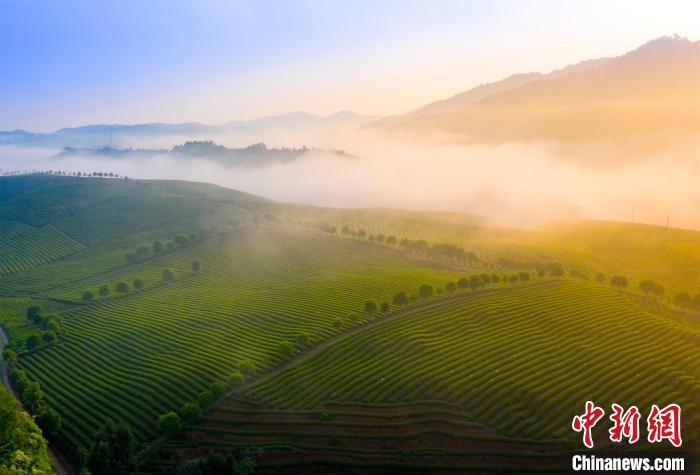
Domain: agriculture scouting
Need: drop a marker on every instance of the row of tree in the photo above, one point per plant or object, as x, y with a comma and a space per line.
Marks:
138, 284
31, 396
142, 253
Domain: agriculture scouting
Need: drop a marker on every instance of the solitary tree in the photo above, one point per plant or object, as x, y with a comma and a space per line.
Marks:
475, 282
49, 420
400, 298
190, 410
168, 275
169, 424
205, 398
370, 307
236, 379
425, 291
285, 348
32, 342
303, 338
619, 281
217, 389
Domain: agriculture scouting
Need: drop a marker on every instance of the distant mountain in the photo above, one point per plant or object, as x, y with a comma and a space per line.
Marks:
256, 155
102, 135
652, 90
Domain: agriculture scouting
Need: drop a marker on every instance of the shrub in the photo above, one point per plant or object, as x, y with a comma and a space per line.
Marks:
205, 398
236, 379
122, 287
87, 295
169, 424
285, 348
217, 389
190, 410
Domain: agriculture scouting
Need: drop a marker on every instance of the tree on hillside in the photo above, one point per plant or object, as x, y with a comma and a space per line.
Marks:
246, 366
683, 300
157, 247
104, 291
49, 420
195, 266
514, 278
21, 443
463, 283
87, 295
619, 281
168, 275
217, 389
49, 337
236, 379
190, 410
486, 278
370, 307
361, 233
169, 424
122, 287
205, 398
495, 278
32, 342
138, 283
33, 313
524, 276
384, 307
450, 287
303, 338
600, 277
400, 298
425, 291
555, 269
180, 240
391, 240
380, 238
9, 355
285, 349
475, 282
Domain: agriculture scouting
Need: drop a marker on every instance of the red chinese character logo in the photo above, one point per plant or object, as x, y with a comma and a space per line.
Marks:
626, 424
665, 424
586, 421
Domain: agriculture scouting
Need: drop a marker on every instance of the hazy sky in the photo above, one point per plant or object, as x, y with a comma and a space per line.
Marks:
66, 63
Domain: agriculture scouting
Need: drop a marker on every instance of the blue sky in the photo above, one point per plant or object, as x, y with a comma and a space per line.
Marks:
77, 62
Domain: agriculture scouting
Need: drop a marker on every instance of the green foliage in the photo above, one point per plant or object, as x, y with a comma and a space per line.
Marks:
104, 291
400, 298
370, 307
169, 424
168, 275
33, 342
138, 283
87, 295
236, 379
303, 338
191, 411
218, 464
425, 291
122, 287
204, 399
217, 389
49, 420
22, 447
649, 286
195, 266
285, 349
385, 307
112, 451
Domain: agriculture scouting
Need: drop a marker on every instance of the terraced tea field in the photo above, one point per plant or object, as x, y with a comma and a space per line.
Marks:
417, 437
462, 380
521, 360
152, 351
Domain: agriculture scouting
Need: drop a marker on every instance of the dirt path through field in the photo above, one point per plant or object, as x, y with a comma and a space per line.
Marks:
58, 460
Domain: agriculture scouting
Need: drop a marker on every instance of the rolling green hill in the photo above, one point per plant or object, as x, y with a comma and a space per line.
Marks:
152, 291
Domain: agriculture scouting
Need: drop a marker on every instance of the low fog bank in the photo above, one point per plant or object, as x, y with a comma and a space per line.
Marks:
519, 184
